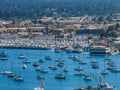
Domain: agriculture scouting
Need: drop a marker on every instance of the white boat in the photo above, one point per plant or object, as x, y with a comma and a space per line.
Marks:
24, 66
101, 86
41, 87
21, 57
6, 72
87, 78
18, 78
26, 61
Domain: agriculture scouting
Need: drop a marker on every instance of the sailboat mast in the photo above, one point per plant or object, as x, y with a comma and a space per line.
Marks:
42, 84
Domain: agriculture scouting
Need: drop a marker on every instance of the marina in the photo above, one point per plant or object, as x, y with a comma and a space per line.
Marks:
26, 74
59, 44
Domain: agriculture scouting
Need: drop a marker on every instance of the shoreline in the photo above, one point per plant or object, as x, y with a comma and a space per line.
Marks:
34, 48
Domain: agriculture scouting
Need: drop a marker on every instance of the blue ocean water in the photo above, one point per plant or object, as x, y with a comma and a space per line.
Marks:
71, 82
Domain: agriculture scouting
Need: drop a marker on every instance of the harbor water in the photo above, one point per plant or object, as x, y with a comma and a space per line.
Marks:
51, 83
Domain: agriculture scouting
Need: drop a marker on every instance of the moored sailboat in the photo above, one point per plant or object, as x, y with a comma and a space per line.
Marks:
41, 87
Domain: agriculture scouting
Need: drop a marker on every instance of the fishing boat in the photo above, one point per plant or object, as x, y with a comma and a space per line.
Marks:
41, 87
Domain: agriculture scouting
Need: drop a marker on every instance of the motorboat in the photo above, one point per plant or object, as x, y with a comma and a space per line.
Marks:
40, 77
104, 72
6, 72
41, 60
94, 61
18, 78
43, 70
87, 78
79, 74
48, 58
78, 68
24, 66
65, 70
21, 56
26, 61
60, 76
